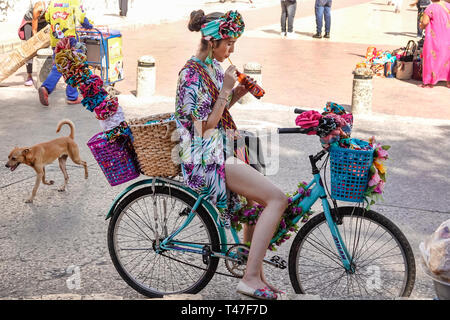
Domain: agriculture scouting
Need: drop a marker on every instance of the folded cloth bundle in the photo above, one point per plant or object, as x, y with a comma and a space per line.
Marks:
331, 126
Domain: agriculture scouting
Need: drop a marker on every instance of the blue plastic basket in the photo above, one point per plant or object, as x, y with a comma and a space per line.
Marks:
350, 172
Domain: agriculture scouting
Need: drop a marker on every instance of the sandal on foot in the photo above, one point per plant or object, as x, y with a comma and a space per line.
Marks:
263, 294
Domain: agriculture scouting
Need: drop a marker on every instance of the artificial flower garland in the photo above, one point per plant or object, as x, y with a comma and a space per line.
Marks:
250, 215
377, 173
71, 61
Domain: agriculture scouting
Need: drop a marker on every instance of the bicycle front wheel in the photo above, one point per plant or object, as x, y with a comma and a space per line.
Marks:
134, 250
383, 261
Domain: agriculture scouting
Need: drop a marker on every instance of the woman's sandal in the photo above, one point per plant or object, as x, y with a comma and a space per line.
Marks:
263, 294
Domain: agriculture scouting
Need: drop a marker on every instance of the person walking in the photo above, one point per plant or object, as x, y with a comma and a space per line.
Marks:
421, 6
288, 8
62, 16
436, 54
33, 21
397, 5
123, 6
204, 94
322, 10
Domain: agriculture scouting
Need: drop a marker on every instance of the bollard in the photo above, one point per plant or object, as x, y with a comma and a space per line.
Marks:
42, 64
253, 70
146, 77
362, 94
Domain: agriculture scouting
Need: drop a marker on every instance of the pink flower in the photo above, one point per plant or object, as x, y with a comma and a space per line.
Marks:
383, 154
380, 187
375, 179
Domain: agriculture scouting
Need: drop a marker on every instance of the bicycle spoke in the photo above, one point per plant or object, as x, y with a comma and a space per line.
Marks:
161, 271
380, 266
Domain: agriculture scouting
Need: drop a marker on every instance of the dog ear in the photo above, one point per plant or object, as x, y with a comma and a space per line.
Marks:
25, 152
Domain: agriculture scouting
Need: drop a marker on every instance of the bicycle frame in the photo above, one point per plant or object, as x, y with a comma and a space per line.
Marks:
170, 242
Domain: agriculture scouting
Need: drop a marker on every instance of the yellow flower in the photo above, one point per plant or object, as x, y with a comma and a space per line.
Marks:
379, 166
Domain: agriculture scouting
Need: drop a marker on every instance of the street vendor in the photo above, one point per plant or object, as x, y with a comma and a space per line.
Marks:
62, 16
33, 21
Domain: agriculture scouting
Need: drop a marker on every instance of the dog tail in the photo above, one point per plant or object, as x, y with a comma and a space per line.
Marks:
70, 124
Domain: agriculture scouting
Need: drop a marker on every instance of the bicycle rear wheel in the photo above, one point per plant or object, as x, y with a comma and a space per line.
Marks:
133, 247
383, 259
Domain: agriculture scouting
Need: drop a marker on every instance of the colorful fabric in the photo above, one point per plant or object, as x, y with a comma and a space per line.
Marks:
70, 60
203, 158
227, 121
63, 16
231, 25
436, 48
265, 293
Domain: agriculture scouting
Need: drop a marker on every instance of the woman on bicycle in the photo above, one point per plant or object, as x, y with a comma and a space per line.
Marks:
210, 165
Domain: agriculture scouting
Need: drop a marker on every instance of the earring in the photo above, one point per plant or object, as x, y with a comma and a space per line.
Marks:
209, 58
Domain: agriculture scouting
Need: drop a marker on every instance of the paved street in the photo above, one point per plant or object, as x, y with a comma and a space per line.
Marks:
42, 243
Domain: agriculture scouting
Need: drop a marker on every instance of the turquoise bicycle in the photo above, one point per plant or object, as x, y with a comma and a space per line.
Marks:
164, 238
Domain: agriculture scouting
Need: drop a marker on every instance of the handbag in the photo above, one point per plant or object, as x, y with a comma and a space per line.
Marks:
410, 49
21, 31
404, 70
417, 70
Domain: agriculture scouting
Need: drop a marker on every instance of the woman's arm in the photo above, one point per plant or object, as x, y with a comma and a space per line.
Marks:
216, 113
424, 21
221, 102
37, 11
238, 92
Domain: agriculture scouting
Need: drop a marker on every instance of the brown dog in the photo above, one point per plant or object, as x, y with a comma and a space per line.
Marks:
42, 154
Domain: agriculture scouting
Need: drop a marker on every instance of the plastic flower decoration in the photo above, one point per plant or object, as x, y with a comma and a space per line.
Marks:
287, 226
377, 174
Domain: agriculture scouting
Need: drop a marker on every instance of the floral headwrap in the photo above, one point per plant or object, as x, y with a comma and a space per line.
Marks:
231, 25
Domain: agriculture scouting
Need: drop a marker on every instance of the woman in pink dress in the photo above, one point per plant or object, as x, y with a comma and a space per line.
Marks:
436, 48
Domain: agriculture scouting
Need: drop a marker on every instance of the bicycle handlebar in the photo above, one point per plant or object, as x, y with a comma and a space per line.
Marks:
294, 130
299, 111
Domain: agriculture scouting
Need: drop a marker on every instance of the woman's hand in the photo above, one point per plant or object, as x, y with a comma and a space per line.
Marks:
239, 92
229, 79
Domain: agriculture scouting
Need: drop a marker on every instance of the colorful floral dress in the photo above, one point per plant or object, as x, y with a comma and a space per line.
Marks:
203, 158
436, 48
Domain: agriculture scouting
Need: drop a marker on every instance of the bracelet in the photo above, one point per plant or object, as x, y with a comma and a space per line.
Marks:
223, 98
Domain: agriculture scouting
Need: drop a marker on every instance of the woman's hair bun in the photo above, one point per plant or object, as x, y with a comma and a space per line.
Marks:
197, 20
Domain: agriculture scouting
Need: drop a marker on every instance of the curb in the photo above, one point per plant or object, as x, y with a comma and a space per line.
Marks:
190, 297
103, 296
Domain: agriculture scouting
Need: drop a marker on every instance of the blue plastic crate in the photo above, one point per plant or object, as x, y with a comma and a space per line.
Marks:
350, 172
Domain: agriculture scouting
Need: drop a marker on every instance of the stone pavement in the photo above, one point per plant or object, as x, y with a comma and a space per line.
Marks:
40, 241
303, 72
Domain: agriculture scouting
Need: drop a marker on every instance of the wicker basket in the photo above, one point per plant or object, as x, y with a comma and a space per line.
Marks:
156, 145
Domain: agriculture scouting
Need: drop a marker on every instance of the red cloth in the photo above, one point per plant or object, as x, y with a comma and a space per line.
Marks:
21, 31
308, 119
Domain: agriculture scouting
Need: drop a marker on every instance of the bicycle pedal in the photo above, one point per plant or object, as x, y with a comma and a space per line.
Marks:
279, 262
206, 254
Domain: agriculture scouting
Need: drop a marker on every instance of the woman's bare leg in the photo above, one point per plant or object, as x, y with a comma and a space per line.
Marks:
245, 180
248, 234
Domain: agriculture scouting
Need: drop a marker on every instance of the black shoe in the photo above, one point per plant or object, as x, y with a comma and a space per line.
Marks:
327, 35
317, 36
